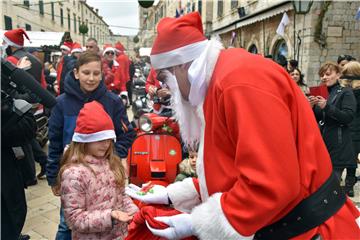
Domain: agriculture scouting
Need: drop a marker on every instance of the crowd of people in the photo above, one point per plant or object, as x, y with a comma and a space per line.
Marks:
241, 165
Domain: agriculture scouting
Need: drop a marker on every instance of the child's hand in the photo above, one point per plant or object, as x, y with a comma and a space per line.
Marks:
121, 216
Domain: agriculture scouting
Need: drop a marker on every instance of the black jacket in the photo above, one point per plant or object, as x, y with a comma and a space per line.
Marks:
13, 202
355, 124
336, 117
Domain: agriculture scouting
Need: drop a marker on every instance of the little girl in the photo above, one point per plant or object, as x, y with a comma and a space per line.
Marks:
92, 179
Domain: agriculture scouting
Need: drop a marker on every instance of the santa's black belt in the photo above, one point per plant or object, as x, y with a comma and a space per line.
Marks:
308, 214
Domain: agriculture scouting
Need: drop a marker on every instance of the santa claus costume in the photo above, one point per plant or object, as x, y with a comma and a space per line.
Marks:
65, 50
110, 67
263, 169
122, 72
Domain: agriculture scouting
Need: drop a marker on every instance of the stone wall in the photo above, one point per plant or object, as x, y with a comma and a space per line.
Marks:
341, 36
340, 31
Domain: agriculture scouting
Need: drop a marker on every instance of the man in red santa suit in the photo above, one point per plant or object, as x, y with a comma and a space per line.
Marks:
122, 73
65, 51
263, 169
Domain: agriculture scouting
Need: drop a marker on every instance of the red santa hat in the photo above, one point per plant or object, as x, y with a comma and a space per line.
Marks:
93, 124
76, 48
15, 37
108, 48
179, 40
119, 47
66, 46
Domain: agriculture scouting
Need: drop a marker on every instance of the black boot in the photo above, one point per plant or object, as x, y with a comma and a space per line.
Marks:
349, 190
24, 237
42, 173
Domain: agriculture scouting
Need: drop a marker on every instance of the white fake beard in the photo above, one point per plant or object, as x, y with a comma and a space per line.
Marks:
188, 116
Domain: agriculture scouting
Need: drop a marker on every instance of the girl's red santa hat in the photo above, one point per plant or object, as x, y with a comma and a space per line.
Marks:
179, 40
66, 46
108, 48
93, 124
15, 37
76, 48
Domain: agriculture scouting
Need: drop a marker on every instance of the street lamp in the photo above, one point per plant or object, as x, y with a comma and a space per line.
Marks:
302, 6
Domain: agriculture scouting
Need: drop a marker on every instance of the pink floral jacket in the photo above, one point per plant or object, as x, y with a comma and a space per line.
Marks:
88, 200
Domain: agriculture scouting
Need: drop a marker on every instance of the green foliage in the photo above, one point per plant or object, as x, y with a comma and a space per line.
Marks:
146, 3
83, 29
136, 39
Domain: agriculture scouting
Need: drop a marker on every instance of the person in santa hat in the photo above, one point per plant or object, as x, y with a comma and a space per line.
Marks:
123, 72
69, 62
13, 43
102, 210
110, 66
65, 51
263, 168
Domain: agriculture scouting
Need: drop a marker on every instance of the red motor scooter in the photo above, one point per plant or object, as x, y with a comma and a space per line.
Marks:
156, 152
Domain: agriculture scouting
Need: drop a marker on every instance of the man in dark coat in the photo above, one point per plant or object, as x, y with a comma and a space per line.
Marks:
13, 202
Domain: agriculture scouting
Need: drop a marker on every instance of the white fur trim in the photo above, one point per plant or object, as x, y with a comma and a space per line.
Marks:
124, 93
94, 137
209, 221
178, 56
358, 221
116, 64
77, 50
108, 49
183, 195
65, 47
11, 43
200, 160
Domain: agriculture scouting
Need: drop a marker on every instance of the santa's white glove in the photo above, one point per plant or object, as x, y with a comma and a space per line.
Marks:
157, 194
180, 226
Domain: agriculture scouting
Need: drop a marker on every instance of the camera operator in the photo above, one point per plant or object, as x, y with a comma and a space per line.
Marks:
18, 127
13, 43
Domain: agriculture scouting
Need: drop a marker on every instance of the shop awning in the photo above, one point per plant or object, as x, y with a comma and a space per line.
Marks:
256, 17
39, 39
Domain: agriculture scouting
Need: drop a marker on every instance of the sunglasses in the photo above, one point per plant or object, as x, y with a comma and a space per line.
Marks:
109, 53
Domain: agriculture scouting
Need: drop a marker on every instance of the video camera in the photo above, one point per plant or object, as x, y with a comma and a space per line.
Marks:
15, 80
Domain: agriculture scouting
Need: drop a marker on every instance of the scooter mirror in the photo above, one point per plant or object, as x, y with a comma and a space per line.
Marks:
145, 124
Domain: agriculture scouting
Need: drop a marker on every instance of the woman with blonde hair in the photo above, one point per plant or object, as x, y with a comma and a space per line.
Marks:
351, 77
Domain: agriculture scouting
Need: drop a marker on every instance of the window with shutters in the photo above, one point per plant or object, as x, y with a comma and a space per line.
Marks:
62, 17
8, 22
41, 7
27, 27
220, 10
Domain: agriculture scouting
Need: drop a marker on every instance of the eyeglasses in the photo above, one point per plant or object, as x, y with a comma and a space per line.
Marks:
108, 53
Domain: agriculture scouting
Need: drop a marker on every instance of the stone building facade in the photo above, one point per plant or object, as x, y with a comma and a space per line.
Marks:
54, 16
328, 30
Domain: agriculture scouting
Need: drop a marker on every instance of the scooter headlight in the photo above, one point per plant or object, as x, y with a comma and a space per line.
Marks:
145, 124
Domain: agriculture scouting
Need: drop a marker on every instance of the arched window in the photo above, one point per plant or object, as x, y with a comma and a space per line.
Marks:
253, 49
280, 52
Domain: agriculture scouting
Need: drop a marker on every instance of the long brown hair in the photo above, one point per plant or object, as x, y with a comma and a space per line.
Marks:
76, 153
